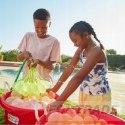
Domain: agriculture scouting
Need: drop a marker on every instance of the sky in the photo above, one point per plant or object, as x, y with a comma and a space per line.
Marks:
107, 17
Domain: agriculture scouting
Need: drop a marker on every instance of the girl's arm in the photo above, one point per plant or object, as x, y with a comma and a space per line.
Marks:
92, 59
67, 72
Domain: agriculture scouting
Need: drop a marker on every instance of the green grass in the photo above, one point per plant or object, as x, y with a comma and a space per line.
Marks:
70, 104
2, 116
121, 116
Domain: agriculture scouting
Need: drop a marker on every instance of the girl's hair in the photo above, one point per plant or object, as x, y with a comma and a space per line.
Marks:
81, 27
41, 14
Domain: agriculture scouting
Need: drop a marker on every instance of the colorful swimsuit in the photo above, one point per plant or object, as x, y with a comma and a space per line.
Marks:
96, 82
95, 92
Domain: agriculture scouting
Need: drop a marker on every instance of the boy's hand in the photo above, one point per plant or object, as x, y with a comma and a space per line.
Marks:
24, 55
27, 55
30, 62
50, 67
33, 62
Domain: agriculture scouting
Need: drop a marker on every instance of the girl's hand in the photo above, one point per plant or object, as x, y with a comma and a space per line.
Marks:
54, 106
56, 87
52, 89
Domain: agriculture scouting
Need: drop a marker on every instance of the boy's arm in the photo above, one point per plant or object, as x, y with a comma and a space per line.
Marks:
24, 55
55, 52
46, 64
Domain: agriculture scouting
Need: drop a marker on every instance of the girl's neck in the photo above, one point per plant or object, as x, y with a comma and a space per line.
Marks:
90, 45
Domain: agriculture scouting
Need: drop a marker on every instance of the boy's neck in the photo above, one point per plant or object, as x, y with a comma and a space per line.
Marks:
44, 36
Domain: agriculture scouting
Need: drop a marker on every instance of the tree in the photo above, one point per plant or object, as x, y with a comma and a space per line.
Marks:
0, 47
65, 58
1, 55
111, 52
10, 55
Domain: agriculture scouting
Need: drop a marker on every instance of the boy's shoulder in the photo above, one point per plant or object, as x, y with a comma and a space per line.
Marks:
30, 33
54, 38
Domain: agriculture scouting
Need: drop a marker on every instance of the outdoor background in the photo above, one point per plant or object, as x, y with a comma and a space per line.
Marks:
106, 17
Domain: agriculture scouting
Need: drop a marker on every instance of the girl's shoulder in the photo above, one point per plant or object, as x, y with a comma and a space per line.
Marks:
96, 49
98, 52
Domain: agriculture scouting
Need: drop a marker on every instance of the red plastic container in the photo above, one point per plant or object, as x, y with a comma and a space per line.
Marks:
111, 119
16, 116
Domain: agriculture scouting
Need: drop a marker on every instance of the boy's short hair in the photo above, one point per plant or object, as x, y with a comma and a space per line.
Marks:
41, 14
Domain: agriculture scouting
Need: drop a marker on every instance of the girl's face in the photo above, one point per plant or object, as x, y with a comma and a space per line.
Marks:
79, 41
41, 27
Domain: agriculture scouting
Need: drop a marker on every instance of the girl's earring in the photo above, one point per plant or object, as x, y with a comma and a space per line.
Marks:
88, 37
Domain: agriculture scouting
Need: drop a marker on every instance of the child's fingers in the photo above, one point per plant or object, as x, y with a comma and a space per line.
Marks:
27, 55
50, 67
51, 107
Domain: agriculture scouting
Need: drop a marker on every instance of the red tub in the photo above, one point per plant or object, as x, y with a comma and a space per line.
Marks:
111, 119
16, 116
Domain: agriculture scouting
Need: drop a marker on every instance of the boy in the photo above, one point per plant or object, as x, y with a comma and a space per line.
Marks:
39, 48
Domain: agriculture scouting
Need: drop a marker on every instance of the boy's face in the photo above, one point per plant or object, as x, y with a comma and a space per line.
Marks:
41, 27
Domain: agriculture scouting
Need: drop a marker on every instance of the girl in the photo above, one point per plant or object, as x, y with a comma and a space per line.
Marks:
92, 77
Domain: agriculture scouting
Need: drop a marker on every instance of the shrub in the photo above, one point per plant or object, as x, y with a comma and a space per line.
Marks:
10, 55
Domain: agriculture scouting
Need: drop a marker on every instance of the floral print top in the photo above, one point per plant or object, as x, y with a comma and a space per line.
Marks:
96, 82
